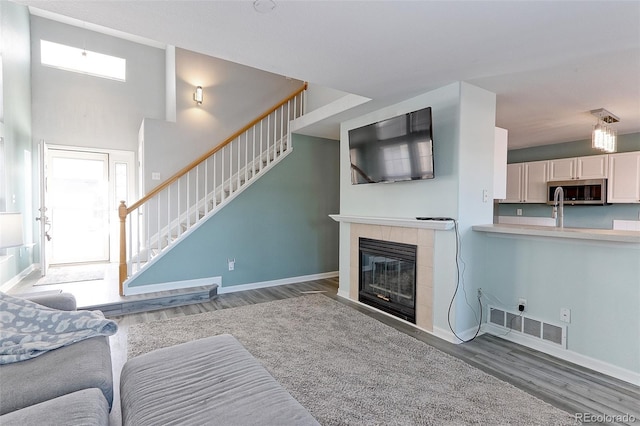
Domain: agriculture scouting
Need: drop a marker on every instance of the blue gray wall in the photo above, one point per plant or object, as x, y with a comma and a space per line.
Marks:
16, 125
574, 216
599, 282
580, 148
277, 228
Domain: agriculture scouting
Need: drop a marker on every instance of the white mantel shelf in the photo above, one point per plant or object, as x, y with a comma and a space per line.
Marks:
438, 225
605, 235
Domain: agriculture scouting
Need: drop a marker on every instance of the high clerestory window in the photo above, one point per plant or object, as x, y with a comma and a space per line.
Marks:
82, 61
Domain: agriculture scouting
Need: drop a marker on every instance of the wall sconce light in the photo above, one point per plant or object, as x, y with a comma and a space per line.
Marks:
11, 230
604, 136
197, 96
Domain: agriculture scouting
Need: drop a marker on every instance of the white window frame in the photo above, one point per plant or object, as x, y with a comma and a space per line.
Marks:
82, 61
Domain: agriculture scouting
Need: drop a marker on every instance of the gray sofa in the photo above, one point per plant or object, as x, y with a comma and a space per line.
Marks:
213, 381
71, 385
207, 381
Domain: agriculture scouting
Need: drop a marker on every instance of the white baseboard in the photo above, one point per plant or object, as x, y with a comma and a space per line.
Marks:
174, 285
447, 334
343, 294
568, 355
283, 281
15, 280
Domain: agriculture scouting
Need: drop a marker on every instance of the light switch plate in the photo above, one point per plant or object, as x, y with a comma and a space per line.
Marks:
565, 315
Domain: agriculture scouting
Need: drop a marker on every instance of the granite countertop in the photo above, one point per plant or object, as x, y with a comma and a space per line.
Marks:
611, 235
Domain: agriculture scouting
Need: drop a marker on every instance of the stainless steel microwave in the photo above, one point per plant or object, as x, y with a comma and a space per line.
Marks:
579, 191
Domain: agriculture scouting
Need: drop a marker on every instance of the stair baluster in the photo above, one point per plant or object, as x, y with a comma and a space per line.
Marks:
186, 207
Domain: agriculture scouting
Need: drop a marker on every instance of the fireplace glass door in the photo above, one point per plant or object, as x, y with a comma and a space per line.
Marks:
388, 277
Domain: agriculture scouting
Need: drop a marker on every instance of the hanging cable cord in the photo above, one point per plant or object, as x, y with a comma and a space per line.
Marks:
455, 224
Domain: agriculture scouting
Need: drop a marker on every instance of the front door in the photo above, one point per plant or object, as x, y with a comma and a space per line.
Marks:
45, 223
78, 196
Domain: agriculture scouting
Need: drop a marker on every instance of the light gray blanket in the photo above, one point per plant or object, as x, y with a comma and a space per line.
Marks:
28, 329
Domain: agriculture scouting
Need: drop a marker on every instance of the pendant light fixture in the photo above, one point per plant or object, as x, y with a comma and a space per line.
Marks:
604, 137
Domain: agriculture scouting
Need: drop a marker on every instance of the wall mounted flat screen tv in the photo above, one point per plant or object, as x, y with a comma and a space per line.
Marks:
392, 150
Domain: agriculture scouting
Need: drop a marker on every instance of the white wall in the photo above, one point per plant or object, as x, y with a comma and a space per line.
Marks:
318, 96
475, 176
80, 110
233, 96
463, 132
15, 123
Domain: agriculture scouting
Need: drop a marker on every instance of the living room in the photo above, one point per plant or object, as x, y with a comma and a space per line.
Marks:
464, 120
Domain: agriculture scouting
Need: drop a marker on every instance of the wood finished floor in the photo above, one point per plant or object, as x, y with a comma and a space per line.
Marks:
567, 386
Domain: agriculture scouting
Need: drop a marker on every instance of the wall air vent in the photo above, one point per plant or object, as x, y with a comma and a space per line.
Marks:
501, 322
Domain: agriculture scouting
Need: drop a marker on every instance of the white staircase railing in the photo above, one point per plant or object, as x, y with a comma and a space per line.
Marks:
153, 224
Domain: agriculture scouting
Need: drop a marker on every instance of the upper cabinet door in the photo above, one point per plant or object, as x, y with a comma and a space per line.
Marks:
515, 181
562, 169
624, 178
593, 167
535, 181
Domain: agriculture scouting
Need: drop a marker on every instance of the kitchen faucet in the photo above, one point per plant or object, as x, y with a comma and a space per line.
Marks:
558, 199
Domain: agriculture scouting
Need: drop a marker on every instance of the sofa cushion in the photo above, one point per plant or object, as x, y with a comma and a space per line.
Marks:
207, 381
85, 407
82, 365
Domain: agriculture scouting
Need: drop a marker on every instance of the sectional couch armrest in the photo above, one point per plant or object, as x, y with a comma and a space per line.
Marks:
82, 365
60, 301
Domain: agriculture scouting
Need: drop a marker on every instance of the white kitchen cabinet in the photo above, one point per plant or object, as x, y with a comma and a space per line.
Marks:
500, 163
562, 169
515, 183
624, 178
535, 181
590, 167
593, 167
527, 182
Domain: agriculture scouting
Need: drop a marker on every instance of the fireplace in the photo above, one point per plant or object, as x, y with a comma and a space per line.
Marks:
388, 277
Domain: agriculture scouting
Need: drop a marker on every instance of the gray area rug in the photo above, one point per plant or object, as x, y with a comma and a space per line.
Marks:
349, 369
74, 273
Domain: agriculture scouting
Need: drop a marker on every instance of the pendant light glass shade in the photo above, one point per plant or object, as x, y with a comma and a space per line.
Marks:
604, 137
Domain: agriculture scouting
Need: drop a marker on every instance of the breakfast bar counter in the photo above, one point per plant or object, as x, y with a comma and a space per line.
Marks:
585, 281
606, 235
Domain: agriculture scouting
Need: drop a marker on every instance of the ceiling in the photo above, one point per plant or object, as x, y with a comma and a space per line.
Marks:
549, 62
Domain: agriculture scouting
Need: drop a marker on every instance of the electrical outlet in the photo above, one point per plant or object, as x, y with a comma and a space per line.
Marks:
522, 303
479, 293
518, 212
485, 195
232, 264
565, 315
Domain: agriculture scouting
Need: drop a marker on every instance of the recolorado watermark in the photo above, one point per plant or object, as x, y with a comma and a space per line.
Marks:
605, 418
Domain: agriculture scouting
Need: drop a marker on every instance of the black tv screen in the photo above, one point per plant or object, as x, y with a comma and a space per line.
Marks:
392, 150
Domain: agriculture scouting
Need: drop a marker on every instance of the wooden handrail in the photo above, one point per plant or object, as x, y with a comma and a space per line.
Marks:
206, 155
124, 211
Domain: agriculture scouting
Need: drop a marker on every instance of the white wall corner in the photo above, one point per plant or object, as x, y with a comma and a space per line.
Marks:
170, 81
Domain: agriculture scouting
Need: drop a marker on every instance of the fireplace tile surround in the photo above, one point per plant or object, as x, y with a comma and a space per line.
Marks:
420, 237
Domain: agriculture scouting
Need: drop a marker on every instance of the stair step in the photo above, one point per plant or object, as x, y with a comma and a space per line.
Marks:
158, 300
